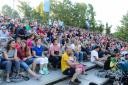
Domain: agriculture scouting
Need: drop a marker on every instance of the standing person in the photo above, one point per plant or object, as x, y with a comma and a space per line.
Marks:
67, 67
10, 58
38, 53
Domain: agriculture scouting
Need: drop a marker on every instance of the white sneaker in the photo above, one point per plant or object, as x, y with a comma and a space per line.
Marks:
41, 72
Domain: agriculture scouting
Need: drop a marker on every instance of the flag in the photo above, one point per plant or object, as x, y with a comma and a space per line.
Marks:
46, 5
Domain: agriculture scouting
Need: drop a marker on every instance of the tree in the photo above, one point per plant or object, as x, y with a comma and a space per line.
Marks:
122, 30
25, 9
71, 14
8, 11
91, 16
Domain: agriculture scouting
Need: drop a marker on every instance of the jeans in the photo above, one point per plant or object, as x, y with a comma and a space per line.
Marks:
17, 65
8, 65
25, 64
79, 56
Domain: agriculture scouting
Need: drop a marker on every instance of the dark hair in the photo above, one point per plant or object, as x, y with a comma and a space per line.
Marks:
91, 83
37, 39
26, 47
8, 44
95, 47
31, 35
54, 40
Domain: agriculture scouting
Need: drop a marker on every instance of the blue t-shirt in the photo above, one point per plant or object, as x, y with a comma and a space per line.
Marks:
38, 50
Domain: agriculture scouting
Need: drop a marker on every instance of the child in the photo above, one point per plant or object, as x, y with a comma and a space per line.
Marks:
78, 65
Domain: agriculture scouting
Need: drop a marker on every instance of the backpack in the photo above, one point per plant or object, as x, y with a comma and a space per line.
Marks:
107, 64
123, 66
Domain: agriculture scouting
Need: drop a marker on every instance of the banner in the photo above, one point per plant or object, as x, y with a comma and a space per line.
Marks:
46, 5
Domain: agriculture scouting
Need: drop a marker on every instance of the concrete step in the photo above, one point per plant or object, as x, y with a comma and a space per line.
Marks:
86, 79
89, 66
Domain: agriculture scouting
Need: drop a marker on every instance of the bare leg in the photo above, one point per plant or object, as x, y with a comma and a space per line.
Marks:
75, 75
34, 66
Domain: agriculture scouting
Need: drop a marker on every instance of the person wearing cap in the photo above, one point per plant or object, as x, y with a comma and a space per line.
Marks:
4, 36
95, 58
3, 32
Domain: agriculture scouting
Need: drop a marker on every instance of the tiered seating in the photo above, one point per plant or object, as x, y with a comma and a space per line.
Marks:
89, 66
86, 79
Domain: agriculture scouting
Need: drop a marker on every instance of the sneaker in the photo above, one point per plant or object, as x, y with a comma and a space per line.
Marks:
73, 83
8, 80
46, 72
77, 81
41, 72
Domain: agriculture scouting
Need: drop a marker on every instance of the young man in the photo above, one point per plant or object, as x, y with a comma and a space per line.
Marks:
4, 33
95, 58
68, 69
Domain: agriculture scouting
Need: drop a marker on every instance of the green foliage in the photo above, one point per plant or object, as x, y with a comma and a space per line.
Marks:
71, 14
25, 9
8, 11
99, 28
122, 32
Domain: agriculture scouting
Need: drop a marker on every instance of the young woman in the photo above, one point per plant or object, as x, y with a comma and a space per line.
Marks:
18, 40
30, 41
55, 54
24, 54
78, 52
10, 58
38, 53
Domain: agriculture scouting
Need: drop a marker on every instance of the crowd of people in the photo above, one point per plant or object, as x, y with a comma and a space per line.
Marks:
31, 44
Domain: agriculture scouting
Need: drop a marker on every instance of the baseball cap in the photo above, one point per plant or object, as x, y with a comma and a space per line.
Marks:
3, 27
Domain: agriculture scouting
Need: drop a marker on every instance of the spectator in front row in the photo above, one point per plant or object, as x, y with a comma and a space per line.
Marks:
95, 58
40, 58
67, 67
10, 58
26, 59
55, 54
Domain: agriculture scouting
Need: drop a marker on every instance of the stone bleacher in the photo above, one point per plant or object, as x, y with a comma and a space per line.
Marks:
57, 78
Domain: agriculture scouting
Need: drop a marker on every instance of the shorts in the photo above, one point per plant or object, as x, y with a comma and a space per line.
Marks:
70, 72
42, 60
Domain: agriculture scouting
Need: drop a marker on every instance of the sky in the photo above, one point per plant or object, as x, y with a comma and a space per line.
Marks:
110, 11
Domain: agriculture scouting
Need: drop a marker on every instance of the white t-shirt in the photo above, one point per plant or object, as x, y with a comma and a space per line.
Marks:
94, 54
4, 35
72, 46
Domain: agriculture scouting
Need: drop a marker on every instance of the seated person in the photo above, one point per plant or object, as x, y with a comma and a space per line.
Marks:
38, 53
30, 41
78, 52
26, 59
10, 59
67, 67
95, 58
18, 40
55, 54
22, 32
